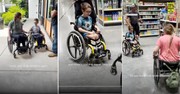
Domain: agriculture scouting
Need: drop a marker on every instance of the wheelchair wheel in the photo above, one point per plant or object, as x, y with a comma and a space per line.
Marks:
14, 54
156, 71
31, 43
113, 70
10, 45
126, 48
109, 55
101, 38
76, 46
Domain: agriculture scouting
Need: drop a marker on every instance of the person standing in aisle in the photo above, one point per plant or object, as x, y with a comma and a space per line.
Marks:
54, 17
132, 21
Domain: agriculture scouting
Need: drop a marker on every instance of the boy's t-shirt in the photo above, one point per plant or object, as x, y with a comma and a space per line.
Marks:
169, 54
35, 30
85, 23
130, 36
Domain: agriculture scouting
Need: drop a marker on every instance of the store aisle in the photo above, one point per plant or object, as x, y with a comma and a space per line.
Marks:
24, 74
76, 76
138, 71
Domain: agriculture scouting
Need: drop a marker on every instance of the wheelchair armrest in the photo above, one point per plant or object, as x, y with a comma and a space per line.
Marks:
72, 23
155, 56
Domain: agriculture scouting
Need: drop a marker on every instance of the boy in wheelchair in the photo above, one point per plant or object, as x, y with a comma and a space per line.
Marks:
131, 38
37, 35
87, 29
17, 34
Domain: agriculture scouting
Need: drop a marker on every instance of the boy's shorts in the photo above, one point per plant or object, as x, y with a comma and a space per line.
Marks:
84, 34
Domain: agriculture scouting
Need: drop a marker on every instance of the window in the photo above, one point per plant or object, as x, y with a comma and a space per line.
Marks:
51, 5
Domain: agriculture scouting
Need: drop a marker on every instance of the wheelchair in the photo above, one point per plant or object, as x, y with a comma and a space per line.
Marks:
33, 38
128, 48
113, 66
78, 45
163, 68
13, 48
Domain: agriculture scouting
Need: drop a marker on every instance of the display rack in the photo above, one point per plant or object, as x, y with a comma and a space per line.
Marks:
149, 12
109, 12
174, 21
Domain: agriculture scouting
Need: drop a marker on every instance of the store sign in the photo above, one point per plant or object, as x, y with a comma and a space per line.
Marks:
171, 6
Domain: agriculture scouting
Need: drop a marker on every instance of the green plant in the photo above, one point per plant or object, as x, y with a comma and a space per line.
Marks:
9, 15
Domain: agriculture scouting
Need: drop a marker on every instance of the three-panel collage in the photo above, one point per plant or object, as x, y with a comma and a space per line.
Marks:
89, 46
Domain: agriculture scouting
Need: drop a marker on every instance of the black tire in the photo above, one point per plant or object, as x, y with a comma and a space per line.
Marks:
79, 44
102, 38
113, 70
14, 54
109, 54
47, 47
126, 48
156, 71
31, 43
29, 51
10, 45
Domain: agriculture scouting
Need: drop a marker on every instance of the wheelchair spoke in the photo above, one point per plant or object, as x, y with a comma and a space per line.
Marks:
76, 52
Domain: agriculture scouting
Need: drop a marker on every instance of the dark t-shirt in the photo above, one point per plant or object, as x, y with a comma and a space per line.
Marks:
55, 18
134, 19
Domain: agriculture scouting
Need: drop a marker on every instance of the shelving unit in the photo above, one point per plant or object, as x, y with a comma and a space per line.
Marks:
109, 12
149, 12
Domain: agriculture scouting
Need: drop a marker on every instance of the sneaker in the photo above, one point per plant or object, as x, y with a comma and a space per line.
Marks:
52, 55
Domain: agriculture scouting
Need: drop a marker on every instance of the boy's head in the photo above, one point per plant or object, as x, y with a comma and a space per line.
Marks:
86, 9
36, 21
130, 28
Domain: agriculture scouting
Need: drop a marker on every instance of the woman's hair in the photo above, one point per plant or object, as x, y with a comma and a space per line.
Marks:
85, 6
169, 29
17, 15
36, 19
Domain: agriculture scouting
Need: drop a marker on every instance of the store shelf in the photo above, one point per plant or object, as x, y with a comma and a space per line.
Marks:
148, 23
116, 9
147, 14
145, 35
110, 22
150, 10
149, 29
151, 5
168, 21
149, 18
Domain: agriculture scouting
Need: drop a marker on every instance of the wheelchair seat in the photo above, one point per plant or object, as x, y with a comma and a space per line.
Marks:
15, 40
164, 65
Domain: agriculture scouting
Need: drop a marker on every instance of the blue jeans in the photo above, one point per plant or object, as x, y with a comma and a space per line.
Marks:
54, 45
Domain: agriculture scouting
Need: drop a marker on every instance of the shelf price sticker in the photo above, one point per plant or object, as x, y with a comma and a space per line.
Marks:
171, 6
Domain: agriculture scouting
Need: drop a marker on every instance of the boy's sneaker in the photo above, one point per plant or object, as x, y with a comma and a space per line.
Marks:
52, 55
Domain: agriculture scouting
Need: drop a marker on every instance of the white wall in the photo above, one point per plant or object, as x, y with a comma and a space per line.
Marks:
33, 8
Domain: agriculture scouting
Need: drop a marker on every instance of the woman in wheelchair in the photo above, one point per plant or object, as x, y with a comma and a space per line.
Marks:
36, 33
16, 32
166, 53
168, 45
